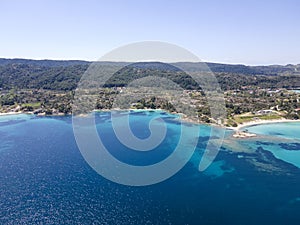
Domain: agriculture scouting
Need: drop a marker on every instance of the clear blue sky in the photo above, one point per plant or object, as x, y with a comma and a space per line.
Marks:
230, 31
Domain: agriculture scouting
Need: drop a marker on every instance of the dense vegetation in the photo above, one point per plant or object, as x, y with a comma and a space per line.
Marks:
64, 75
23, 76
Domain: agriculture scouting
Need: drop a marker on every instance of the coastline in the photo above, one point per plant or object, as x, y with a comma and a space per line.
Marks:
181, 117
13, 113
255, 123
30, 113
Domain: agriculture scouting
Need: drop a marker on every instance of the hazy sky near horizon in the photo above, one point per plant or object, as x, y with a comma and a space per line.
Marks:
228, 31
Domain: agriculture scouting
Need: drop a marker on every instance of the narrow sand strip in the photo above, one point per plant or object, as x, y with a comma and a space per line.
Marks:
11, 113
258, 122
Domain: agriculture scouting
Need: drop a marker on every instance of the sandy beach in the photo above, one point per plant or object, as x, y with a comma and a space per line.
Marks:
11, 113
258, 122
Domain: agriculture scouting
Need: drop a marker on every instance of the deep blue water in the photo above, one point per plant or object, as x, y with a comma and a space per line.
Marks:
45, 180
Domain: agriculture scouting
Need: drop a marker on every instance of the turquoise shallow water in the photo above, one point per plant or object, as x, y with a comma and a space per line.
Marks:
287, 150
285, 130
45, 180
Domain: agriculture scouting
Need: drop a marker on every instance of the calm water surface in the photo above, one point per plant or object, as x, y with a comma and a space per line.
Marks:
44, 179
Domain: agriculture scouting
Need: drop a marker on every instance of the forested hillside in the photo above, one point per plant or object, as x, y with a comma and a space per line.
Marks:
64, 75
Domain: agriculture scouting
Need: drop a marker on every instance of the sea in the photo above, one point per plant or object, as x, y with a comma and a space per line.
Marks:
44, 178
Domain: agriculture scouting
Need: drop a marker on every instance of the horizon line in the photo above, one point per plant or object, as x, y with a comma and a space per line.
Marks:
92, 61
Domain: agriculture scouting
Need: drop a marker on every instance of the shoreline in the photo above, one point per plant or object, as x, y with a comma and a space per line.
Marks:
30, 113
259, 122
180, 117
13, 113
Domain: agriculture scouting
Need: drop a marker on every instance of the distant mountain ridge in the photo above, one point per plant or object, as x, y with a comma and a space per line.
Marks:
214, 67
64, 75
43, 62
